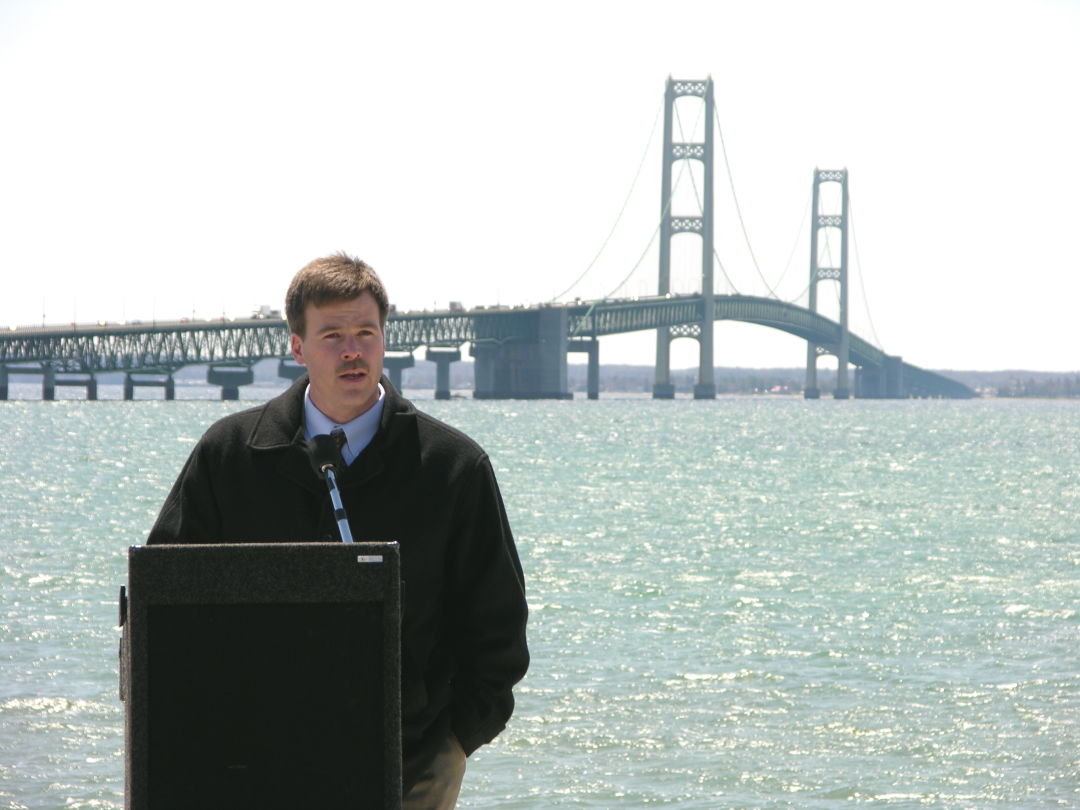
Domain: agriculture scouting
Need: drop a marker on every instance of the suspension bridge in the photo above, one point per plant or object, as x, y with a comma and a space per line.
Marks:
521, 351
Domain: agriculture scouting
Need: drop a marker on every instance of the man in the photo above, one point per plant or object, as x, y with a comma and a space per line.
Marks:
409, 478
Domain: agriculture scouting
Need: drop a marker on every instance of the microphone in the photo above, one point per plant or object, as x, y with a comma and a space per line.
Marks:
325, 454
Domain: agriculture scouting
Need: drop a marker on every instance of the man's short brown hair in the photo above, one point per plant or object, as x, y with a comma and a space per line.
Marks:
339, 277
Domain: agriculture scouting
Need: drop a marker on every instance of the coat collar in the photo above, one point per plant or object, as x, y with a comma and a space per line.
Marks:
280, 422
280, 428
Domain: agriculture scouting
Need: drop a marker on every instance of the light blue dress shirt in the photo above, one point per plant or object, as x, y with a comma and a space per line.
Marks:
358, 432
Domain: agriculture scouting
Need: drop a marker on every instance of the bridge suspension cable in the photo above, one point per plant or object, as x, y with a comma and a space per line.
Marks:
742, 225
771, 288
738, 208
622, 210
652, 239
663, 214
858, 271
862, 284
795, 246
667, 207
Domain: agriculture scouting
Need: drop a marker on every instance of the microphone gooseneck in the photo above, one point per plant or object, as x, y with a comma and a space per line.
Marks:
326, 459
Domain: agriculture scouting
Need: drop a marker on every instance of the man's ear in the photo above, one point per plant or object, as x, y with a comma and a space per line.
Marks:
297, 346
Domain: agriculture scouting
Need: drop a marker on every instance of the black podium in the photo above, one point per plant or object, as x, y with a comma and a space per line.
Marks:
262, 676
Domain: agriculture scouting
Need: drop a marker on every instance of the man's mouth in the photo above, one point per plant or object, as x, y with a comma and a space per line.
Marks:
353, 374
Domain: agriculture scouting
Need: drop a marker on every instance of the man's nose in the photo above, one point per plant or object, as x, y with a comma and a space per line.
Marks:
351, 347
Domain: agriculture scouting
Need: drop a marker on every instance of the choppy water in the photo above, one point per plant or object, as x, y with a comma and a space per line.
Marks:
746, 603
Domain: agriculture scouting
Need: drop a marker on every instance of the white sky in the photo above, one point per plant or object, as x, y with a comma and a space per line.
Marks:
170, 159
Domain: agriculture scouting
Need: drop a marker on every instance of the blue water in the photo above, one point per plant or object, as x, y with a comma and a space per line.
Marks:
746, 603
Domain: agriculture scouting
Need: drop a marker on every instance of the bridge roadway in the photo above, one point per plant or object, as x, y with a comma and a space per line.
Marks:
520, 352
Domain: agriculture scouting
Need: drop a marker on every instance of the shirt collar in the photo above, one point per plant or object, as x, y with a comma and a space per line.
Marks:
358, 432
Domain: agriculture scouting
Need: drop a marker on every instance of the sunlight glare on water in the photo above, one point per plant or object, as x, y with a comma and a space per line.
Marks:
746, 603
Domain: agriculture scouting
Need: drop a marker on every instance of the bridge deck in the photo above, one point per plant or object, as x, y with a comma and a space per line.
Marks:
164, 347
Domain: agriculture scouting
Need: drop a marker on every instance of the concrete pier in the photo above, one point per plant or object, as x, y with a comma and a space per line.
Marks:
884, 382
50, 379
592, 378
164, 381
663, 390
290, 370
394, 363
442, 358
705, 390
87, 381
230, 378
532, 365
895, 387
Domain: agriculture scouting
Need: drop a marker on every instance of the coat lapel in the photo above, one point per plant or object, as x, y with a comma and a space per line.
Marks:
279, 436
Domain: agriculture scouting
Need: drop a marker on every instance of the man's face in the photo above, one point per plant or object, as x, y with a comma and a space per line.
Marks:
343, 350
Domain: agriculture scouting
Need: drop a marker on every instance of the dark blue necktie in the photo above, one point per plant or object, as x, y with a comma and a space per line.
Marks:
338, 435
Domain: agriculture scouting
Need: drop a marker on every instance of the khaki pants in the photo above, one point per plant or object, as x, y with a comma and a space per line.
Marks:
440, 784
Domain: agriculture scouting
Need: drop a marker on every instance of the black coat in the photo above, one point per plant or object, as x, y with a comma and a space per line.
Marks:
419, 482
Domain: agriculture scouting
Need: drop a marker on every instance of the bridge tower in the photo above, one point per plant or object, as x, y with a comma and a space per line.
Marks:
819, 222
671, 224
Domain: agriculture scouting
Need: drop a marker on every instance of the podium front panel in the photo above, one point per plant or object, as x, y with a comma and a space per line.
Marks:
263, 675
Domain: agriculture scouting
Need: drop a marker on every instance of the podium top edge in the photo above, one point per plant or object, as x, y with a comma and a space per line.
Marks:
214, 573
383, 544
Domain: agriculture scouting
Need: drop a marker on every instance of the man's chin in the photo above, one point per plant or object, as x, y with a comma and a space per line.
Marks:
347, 400
356, 389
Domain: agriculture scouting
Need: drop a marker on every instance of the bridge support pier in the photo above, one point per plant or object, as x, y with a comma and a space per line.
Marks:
230, 378
810, 389
592, 379
663, 387
533, 367
290, 370
394, 364
869, 383
133, 381
442, 358
894, 377
884, 382
87, 381
50, 380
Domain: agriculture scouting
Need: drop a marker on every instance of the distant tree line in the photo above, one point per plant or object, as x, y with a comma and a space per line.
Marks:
1057, 386
727, 380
